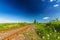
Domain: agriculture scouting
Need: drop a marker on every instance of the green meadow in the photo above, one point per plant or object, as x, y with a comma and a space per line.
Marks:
44, 31
49, 30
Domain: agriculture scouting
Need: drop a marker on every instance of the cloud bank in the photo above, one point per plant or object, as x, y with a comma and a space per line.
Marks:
46, 18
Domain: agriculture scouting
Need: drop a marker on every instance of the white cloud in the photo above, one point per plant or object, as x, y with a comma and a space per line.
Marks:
46, 18
56, 5
51, 0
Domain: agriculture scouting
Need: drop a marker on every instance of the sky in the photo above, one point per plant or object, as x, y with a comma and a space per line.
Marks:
29, 10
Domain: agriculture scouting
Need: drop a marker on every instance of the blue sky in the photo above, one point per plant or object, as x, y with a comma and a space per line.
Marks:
28, 10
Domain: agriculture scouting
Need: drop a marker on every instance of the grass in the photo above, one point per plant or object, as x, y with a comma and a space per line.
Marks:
44, 31
4, 26
9, 25
48, 31
31, 35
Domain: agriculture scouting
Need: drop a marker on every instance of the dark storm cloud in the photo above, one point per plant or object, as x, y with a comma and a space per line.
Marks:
29, 6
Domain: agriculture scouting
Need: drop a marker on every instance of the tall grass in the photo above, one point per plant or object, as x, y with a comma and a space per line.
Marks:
48, 31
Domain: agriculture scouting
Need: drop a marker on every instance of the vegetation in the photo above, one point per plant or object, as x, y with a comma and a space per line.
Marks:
49, 31
31, 35
45, 31
4, 26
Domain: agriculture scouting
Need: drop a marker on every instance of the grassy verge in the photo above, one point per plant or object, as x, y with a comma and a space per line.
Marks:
48, 31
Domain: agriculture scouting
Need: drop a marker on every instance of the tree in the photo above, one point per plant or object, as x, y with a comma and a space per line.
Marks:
35, 21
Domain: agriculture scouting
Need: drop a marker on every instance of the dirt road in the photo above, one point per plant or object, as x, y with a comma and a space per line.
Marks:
15, 34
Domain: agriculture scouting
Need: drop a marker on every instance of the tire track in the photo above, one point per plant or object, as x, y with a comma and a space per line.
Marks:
18, 32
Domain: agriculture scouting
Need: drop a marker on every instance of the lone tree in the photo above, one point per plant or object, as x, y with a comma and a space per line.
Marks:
57, 20
35, 21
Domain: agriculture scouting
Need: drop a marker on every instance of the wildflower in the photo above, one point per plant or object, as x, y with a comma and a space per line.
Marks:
58, 37
43, 37
48, 35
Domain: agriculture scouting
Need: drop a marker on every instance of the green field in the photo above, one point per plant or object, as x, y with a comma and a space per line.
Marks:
44, 31
4, 26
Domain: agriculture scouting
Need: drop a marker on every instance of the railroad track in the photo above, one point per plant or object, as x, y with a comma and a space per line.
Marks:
14, 34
